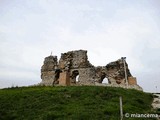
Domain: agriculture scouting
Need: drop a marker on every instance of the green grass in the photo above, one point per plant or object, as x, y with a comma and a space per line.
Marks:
71, 103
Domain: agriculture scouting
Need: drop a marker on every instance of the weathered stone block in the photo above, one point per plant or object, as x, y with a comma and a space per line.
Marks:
132, 81
64, 78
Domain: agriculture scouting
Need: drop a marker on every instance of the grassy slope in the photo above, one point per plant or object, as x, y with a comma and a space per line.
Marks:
79, 102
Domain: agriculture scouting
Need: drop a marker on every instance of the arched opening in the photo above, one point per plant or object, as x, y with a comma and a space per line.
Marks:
105, 80
103, 75
75, 76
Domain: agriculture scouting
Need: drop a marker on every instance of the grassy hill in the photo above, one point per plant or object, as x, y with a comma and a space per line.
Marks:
71, 103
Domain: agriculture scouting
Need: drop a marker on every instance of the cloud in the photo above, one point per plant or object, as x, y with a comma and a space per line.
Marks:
30, 30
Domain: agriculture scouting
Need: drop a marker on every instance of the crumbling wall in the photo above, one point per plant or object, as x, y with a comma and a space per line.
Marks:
86, 76
74, 60
116, 72
48, 70
76, 64
75, 69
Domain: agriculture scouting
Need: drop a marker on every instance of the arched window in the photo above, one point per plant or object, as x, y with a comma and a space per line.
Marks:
75, 76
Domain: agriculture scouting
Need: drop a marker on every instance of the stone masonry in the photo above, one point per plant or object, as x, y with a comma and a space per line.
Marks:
73, 68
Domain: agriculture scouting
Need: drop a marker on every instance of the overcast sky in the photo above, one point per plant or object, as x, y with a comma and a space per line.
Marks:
108, 29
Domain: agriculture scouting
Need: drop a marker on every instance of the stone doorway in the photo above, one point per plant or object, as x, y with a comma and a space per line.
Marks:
75, 76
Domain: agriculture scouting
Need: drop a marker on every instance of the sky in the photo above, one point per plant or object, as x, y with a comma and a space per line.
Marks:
107, 29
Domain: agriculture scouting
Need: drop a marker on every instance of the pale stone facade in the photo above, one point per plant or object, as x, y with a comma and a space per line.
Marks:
74, 68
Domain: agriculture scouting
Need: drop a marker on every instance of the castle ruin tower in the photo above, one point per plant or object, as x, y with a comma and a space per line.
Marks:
49, 71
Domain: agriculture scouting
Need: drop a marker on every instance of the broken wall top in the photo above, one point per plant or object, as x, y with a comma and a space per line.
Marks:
74, 60
49, 64
75, 63
118, 66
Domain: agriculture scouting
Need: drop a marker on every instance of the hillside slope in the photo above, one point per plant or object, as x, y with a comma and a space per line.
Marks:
76, 103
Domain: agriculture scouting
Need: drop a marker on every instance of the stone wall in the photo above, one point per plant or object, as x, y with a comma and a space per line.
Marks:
48, 70
74, 68
64, 78
132, 81
74, 60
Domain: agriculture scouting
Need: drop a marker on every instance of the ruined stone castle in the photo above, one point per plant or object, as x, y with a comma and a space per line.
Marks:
73, 68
